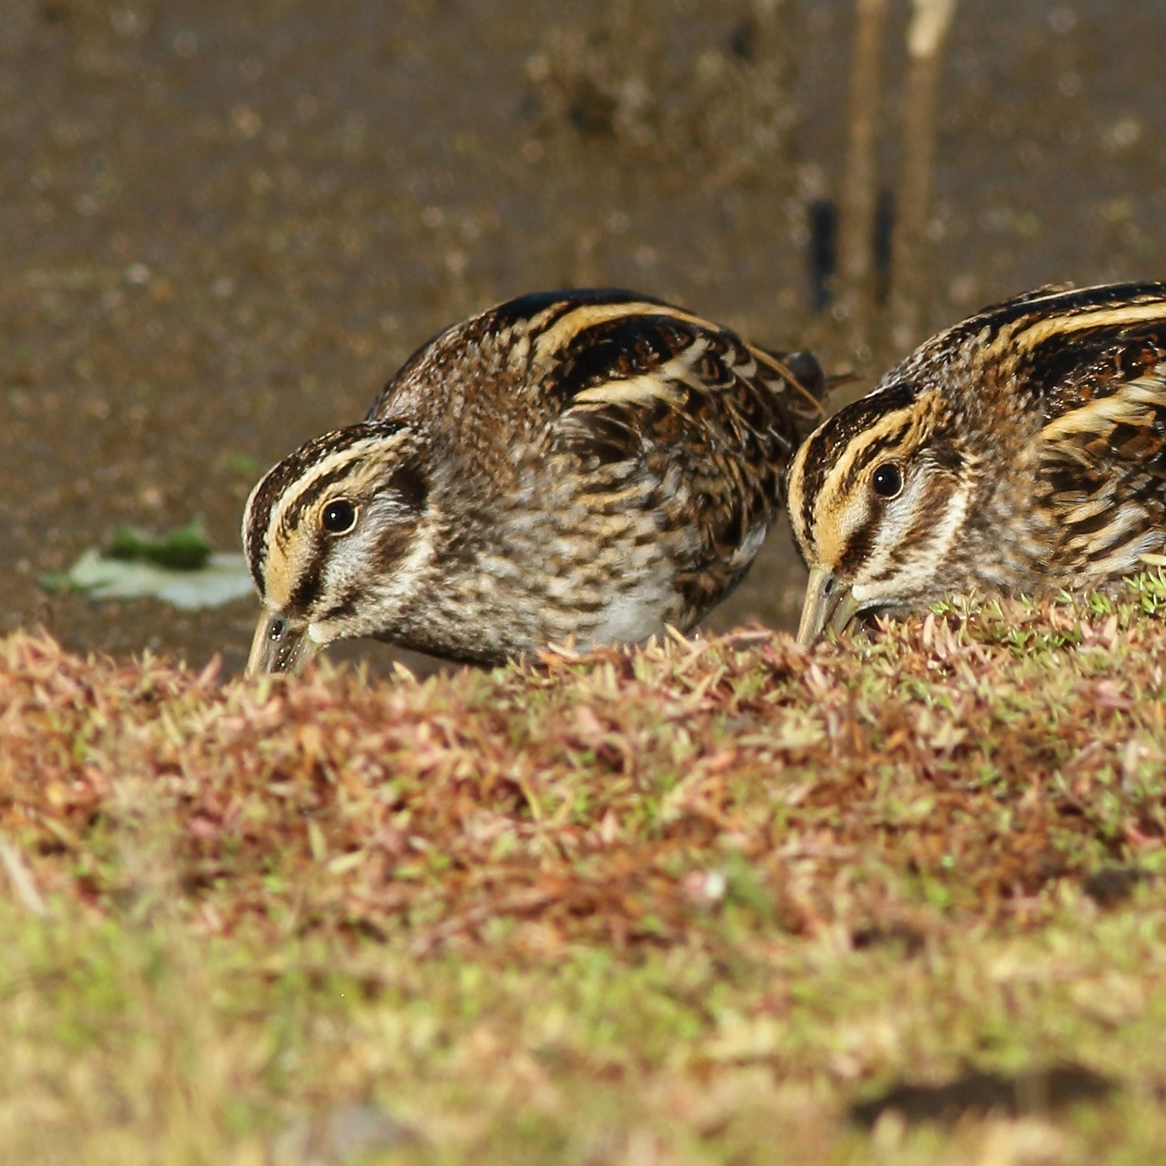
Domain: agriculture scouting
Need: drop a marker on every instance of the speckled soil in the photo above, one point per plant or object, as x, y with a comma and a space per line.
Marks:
225, 225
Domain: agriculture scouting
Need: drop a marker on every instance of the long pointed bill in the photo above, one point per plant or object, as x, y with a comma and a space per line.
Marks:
279, 646
828, 604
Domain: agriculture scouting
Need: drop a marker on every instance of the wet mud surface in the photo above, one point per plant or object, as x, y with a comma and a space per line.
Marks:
225, 225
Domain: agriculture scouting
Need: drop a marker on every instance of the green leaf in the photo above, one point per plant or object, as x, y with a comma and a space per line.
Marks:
183, 549
134, 574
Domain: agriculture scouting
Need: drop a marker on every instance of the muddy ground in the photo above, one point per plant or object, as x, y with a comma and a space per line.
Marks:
225, 225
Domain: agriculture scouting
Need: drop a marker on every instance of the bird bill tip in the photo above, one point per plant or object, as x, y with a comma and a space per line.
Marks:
279, 646
827, 604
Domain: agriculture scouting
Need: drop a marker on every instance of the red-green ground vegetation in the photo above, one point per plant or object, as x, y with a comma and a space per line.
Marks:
898, 899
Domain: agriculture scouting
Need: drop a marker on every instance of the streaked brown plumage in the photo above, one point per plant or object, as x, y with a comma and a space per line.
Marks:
1023, 450
592, 464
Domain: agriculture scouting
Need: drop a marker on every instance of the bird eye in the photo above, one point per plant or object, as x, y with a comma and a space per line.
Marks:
887, 480
339, 517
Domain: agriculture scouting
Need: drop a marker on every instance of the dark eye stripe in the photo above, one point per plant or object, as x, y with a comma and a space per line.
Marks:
308, 585
858, 548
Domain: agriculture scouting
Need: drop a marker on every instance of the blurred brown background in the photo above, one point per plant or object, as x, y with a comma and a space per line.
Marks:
225, 225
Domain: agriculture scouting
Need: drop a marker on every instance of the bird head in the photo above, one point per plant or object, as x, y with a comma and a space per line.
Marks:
878, 496
335, 535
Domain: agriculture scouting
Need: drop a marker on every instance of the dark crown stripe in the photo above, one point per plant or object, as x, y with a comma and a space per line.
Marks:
872, 452
826, 448
284, 478
310, 494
